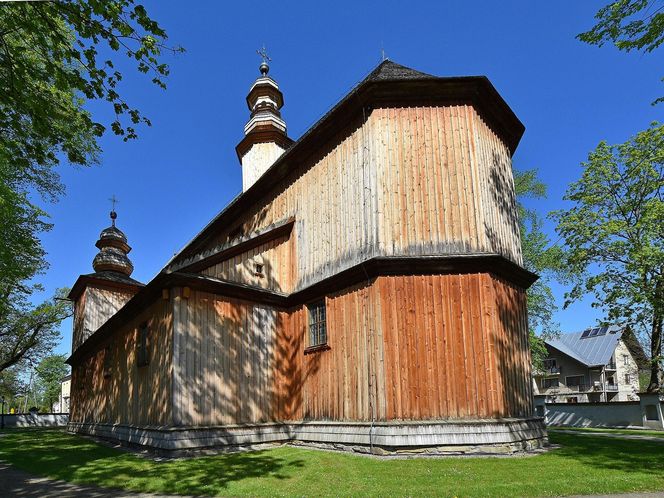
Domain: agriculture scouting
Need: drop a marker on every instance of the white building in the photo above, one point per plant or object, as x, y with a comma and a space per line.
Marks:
599, 364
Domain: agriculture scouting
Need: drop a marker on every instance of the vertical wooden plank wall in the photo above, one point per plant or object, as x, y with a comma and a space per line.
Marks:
94, 307
455, 347
131, 394
274, 255
224, 360
407, 181
444, 183
345, 382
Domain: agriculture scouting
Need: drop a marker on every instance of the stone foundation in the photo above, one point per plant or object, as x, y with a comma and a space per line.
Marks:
504, 436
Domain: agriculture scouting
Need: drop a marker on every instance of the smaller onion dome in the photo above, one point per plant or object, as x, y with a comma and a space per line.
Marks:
113, 250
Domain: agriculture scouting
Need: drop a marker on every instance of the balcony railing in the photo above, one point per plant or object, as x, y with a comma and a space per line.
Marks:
611, 387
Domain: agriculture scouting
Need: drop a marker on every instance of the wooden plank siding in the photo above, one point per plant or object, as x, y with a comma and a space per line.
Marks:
406, 181
129, 394
274, 255
401, 348
94, 306
225, 352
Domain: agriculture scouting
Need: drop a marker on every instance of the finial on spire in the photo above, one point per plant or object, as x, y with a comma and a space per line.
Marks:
114, 215
264, 68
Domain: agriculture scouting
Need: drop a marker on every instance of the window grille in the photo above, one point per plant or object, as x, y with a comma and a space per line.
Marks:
317, 324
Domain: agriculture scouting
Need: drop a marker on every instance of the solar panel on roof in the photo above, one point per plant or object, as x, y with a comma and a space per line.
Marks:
585, 334
593, 332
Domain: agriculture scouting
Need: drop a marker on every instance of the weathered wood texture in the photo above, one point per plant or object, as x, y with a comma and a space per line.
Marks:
444, 183
275, 258
456, 346
405, 181
93, 308
128, 394
223, 360
401, 348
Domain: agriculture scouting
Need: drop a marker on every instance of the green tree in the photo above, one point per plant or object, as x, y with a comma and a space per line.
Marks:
630, 25
55, 57
50, 372
541, 257
29, 333
11, 387
615, 236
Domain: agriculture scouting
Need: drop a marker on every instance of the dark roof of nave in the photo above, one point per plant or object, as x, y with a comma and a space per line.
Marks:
388, 83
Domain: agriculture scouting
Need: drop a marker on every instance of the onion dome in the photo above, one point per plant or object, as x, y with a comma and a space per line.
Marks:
113, 250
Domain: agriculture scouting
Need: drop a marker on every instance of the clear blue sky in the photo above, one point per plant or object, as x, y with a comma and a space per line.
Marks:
183, 170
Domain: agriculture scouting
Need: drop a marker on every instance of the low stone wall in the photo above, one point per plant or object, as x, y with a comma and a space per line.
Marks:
36, 420
431, 437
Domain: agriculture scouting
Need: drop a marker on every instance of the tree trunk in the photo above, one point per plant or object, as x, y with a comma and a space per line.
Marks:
656, 376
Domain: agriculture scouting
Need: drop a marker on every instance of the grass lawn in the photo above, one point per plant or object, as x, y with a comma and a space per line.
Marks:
583, 465
628, 432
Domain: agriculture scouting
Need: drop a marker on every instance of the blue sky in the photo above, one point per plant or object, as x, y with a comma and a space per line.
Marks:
183, 170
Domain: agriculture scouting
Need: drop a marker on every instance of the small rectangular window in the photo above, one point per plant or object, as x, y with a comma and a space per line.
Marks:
142, 357
625, 360
317, 324
551, 383
628, 379
108, 361
574, 381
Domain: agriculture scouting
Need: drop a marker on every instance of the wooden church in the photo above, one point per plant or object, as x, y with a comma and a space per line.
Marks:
365, 291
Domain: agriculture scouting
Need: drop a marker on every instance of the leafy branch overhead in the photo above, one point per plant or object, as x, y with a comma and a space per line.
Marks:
56, 57
50, 64
629, 25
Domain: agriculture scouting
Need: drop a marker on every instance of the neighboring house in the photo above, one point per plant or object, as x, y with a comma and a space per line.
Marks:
598, 364
65, 389
366, 289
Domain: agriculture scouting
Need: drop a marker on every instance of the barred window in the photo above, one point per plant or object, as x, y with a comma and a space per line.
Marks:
317, 324
142, 357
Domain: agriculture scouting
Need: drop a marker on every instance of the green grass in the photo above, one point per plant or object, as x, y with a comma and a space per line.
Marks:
582, 465
625, 432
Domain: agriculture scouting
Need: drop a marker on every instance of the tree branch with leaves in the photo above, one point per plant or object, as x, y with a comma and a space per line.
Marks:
614, 233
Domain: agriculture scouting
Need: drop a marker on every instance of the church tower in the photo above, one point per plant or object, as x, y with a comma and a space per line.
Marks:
265, 133
98, 296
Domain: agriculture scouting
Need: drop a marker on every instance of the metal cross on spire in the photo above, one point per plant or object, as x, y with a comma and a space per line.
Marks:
263, 53
264, 67
114, 215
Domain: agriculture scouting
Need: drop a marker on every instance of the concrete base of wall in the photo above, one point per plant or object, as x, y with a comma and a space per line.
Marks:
504, 436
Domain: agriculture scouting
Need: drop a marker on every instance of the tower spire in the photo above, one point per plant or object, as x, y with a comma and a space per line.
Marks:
113, 248
265, 137
114, 215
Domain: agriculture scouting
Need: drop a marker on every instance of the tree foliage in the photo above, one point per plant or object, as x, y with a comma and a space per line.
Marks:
629, 25
11, 387
615, 235
28, 333
541, 257
55, 57
50, 372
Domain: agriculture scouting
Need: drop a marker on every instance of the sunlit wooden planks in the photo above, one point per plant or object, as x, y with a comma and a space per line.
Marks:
225, 362
467, 359
124, 393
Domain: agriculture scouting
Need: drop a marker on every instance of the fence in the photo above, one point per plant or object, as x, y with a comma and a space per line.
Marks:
36, 419
646, 413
